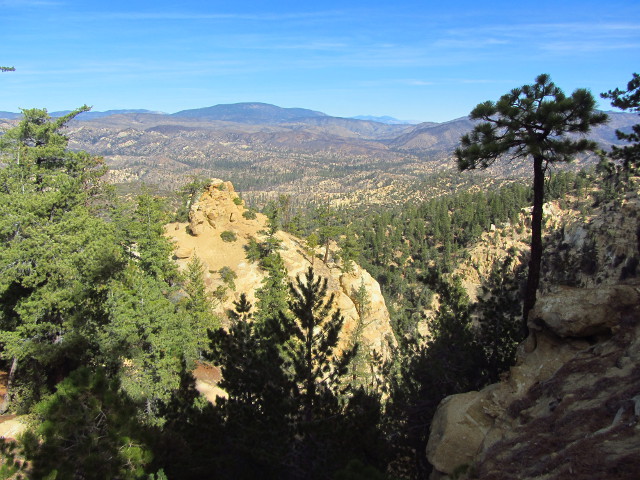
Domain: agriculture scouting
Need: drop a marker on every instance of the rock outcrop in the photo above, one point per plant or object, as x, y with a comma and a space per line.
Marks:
12, 426
219, 210
570, 407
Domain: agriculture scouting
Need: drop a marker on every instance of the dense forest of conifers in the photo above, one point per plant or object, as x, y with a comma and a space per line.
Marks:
100, 332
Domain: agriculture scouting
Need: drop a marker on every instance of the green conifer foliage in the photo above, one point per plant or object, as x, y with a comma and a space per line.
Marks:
498, 330
449, 362
628, 99
197, 307
350, 250
255, 417
153, 248
53, 252
87, 429
318, 370
532, 122
145, 338
242, 309
273, 294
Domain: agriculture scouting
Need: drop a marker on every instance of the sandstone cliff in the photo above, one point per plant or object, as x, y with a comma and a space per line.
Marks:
219, 210
584, 246
570, 408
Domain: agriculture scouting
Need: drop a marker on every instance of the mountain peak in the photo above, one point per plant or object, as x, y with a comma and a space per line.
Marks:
250, 112
386, 119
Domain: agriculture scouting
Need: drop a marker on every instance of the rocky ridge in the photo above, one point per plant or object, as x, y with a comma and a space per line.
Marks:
570, 408
219, 210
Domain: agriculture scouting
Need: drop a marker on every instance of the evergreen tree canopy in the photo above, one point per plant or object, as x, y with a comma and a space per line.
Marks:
54, 253
315, 330
628, 99
88, 429
80, 283
532, 121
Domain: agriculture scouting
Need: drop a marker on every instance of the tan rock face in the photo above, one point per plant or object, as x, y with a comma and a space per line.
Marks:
219, 209
457, 429
570, 407
12, 426
567, 409
183, 252
574, 312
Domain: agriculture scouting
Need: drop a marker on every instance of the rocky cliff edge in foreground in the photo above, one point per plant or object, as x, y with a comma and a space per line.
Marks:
570, 408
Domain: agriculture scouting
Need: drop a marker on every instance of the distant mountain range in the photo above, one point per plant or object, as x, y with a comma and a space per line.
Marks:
248, 112
255, 113
85, 115
265, 148
386, 119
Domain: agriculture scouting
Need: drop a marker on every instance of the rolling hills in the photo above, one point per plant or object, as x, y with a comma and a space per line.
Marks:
264, 149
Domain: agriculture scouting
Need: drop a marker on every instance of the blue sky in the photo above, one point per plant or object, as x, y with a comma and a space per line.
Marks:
419, 60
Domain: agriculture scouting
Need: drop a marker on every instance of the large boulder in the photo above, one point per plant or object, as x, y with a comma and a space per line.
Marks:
582, 312
457, 431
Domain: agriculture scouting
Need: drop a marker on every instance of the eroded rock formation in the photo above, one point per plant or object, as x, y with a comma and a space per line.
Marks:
219, 210
568, 409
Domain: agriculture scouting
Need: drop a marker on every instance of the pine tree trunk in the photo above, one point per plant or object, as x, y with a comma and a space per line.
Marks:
326, 252
535, 261
310, 381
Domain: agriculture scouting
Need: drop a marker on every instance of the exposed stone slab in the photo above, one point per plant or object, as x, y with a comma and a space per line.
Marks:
581, 312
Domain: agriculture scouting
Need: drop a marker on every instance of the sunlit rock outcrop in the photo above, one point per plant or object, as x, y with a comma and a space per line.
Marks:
219, 210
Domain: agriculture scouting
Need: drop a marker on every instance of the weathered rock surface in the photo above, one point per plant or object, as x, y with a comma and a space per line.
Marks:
220, 209
570, 407
575, 312
12, 426
461, 425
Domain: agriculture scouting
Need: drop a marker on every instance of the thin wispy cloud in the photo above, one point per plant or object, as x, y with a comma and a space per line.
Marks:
537, 34
395, 81
469, 43
29, 3
191, 16
341, 57
588, 46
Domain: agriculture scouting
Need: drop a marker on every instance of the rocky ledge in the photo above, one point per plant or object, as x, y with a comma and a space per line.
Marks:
570, 407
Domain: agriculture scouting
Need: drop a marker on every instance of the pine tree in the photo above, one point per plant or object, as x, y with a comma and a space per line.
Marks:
87, 429
145, 340
628, 99
197, 306
318, 369
532, 121
498, 308
273, 294
242, 309
256, 414
54, 253
350, 250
